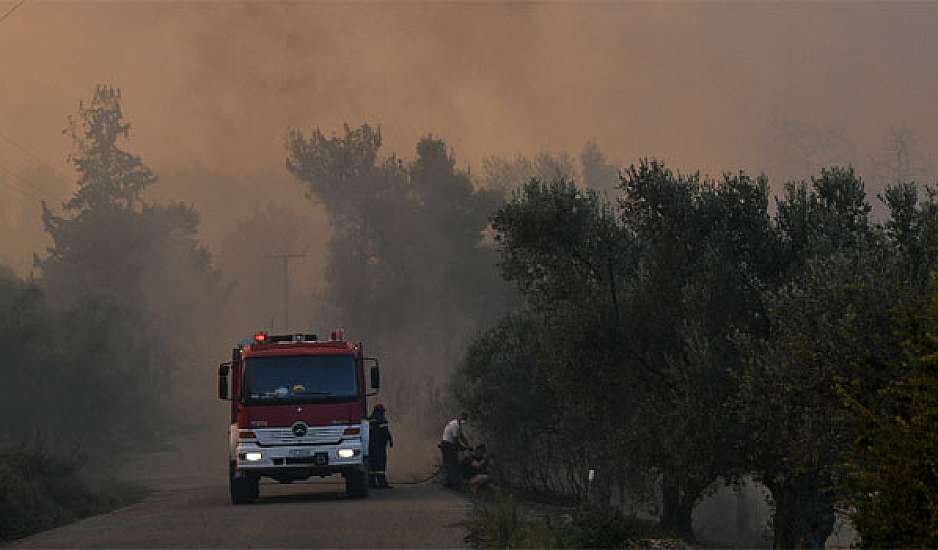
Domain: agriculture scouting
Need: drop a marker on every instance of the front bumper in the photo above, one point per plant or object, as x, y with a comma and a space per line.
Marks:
326, 458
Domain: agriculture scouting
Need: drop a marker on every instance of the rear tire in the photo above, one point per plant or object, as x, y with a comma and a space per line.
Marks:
356, 483
242, 490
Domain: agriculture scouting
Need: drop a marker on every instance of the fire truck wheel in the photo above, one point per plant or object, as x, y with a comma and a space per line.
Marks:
254, 487
356, 484
242, 489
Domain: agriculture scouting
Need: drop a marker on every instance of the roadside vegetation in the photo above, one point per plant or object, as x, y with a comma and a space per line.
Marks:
43, 489
501, 520
87, 367
679, 335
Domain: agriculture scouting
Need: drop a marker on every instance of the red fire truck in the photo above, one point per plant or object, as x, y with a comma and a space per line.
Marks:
298, 409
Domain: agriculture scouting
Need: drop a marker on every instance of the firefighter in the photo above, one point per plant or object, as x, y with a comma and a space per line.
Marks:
453, 441
379, 439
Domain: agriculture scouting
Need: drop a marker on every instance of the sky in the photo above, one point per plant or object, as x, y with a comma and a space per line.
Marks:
213, 87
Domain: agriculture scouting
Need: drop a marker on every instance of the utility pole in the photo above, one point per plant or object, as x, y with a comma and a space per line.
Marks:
286, 285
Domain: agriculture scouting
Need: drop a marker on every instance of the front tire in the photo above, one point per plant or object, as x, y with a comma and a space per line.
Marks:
356, 483
242, 490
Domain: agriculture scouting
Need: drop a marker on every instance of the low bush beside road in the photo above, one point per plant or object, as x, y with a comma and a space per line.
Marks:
502, 520
40, 489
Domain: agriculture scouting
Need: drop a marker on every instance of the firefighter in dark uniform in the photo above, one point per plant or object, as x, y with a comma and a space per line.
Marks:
379, 439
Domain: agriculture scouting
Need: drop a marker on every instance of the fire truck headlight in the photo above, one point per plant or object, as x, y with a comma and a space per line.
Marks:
346, 453
253, 457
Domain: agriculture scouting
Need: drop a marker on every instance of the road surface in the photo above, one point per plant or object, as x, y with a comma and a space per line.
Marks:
189, 506
314, 514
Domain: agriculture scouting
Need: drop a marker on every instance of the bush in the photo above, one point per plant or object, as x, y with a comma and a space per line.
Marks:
39, 490
602, 528
501, 521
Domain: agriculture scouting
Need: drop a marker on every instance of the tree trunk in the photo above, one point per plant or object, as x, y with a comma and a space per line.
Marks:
804, 513
677, 510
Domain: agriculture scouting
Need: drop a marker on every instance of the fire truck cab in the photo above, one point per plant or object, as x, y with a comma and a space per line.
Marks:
298, 409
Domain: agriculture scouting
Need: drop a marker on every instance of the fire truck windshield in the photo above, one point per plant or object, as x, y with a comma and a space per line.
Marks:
300, 379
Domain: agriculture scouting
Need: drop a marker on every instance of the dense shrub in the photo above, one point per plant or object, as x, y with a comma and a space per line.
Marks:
40, 489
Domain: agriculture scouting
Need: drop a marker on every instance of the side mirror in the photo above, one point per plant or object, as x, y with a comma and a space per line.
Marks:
223, 380
375, 373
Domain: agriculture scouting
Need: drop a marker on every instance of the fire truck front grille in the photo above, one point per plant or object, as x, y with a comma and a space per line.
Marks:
315, 435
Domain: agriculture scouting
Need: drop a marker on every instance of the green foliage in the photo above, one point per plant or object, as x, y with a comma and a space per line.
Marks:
698, 339
895, 476
508, 392
913, 227
604, 528
797, 430
643, 293
502, 521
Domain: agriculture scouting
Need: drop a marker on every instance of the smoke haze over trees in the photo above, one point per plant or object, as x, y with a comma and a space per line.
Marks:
463, 184
408, 267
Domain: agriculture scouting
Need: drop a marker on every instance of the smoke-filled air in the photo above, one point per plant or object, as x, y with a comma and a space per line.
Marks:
671, 264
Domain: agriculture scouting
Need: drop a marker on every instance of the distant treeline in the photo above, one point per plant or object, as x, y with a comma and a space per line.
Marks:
677, 336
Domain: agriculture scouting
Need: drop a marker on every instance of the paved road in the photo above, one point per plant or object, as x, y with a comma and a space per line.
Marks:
313, 514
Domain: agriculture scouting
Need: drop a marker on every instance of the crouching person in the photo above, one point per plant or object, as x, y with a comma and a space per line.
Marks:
477, 470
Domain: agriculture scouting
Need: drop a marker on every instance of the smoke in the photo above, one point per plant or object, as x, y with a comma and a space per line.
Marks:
218, 84
211, 89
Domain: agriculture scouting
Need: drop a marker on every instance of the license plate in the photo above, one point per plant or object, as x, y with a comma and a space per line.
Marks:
322, 459
299, 452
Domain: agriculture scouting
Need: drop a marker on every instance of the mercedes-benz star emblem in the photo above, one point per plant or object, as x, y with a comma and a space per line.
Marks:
299, 429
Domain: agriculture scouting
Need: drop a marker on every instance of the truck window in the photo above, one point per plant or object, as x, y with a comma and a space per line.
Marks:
300, 379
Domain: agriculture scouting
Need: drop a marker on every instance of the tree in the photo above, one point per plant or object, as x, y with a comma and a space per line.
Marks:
894, 477
829, 327
795, 149
707, 252
109, 177
598, 172
913, 229
116, 253
900, 159
68, 379
826, 331
407, 261
505, 175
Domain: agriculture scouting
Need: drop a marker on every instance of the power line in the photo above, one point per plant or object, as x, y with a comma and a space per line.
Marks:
30, 154
29, 193
11, 10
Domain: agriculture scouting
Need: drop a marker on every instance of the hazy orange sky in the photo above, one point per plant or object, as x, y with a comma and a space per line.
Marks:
217, 84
